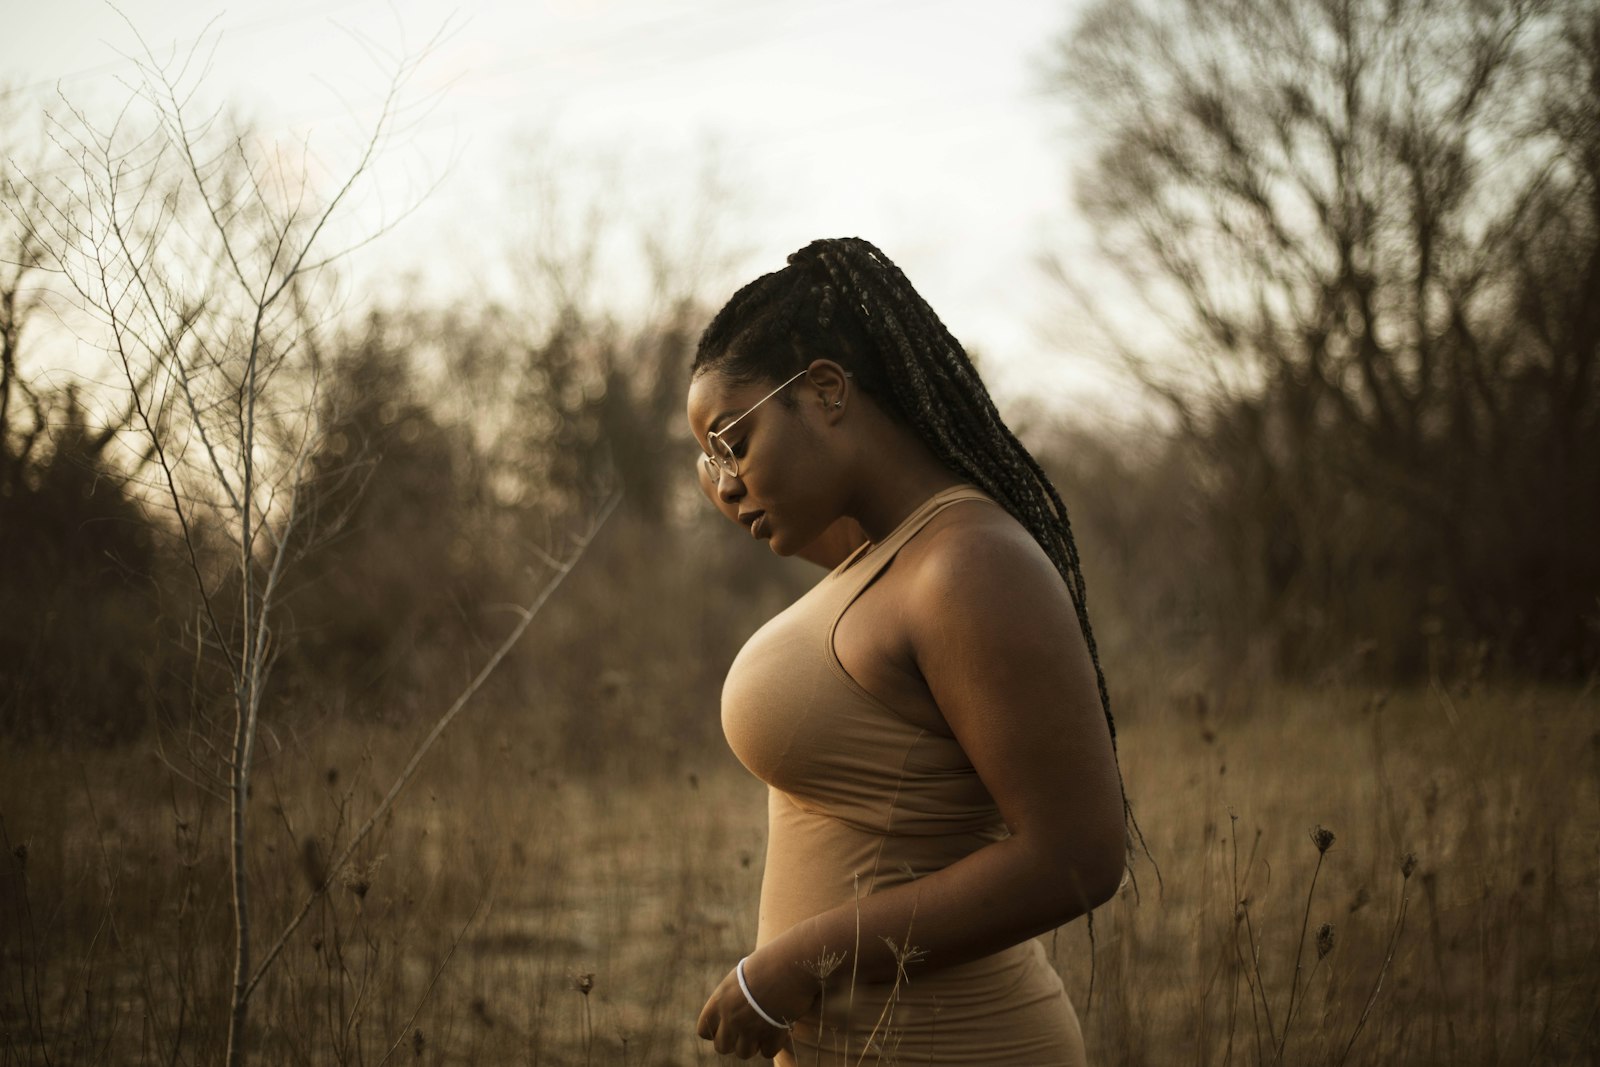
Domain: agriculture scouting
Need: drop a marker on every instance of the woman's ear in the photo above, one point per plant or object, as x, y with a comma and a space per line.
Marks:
829, 386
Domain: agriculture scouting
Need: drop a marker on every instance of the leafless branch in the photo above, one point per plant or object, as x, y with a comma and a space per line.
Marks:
403, 779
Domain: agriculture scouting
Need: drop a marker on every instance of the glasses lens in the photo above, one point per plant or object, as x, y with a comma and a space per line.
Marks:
723, 456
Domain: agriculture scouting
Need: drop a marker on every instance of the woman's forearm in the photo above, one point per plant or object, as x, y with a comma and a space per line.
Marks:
994, 898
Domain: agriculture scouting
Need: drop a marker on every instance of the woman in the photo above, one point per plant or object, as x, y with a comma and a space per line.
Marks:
930, 718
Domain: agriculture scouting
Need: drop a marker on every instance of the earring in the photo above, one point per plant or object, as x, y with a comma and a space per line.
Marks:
838, 403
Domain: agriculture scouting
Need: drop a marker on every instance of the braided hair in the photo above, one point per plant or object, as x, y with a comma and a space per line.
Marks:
844, 297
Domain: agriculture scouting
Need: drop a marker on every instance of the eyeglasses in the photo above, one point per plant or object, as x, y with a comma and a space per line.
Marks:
719, 458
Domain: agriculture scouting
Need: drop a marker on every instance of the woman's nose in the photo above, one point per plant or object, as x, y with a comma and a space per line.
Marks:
728, 486
722, 489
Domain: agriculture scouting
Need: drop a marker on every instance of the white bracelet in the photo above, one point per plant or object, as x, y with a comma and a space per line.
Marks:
745, 988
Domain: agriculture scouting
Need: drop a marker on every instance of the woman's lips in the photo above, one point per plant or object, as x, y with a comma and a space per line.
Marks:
758, 529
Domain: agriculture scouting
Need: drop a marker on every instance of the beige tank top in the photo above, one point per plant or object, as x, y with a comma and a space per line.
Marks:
863, 797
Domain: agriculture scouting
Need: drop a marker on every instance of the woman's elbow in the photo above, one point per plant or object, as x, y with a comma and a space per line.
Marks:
1107, 880
1102, 877
1083, 877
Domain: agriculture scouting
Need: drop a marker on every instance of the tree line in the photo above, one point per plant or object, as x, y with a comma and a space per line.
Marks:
1373, 231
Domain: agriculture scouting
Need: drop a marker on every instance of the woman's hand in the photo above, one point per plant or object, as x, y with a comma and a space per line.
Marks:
734, 1027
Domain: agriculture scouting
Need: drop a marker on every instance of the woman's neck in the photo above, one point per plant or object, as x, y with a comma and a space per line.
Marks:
897, 475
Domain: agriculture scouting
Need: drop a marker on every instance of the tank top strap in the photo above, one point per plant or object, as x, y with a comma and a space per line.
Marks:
862, 566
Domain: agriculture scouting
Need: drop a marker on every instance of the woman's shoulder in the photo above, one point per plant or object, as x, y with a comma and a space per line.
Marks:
979, 581
973, 547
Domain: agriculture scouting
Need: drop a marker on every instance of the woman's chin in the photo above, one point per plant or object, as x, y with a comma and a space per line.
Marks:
779, 545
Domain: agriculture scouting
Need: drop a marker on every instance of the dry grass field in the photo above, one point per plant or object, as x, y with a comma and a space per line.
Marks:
512, 913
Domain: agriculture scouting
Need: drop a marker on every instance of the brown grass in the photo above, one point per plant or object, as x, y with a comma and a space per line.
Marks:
465, 933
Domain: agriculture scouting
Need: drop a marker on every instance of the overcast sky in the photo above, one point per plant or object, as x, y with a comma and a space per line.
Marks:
922, 125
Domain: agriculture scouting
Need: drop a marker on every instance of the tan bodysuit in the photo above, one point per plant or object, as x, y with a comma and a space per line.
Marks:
862, 798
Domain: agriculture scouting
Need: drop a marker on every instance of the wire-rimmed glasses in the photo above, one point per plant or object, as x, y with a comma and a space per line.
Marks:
720, 458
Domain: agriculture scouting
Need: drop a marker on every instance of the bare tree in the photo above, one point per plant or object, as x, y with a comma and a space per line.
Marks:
18, 264
1374, 229
24, 404
609, 288
68, 666
205, 259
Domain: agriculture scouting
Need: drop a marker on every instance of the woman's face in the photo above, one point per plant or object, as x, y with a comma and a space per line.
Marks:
835, 545
783, 493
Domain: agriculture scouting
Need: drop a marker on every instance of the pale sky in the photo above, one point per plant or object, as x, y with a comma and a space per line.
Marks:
918, 124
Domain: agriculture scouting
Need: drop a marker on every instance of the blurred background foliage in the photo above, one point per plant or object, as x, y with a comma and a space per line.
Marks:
1373, 228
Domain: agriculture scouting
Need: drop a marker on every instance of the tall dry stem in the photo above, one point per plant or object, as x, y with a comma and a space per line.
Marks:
1323, 839
1407, 866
